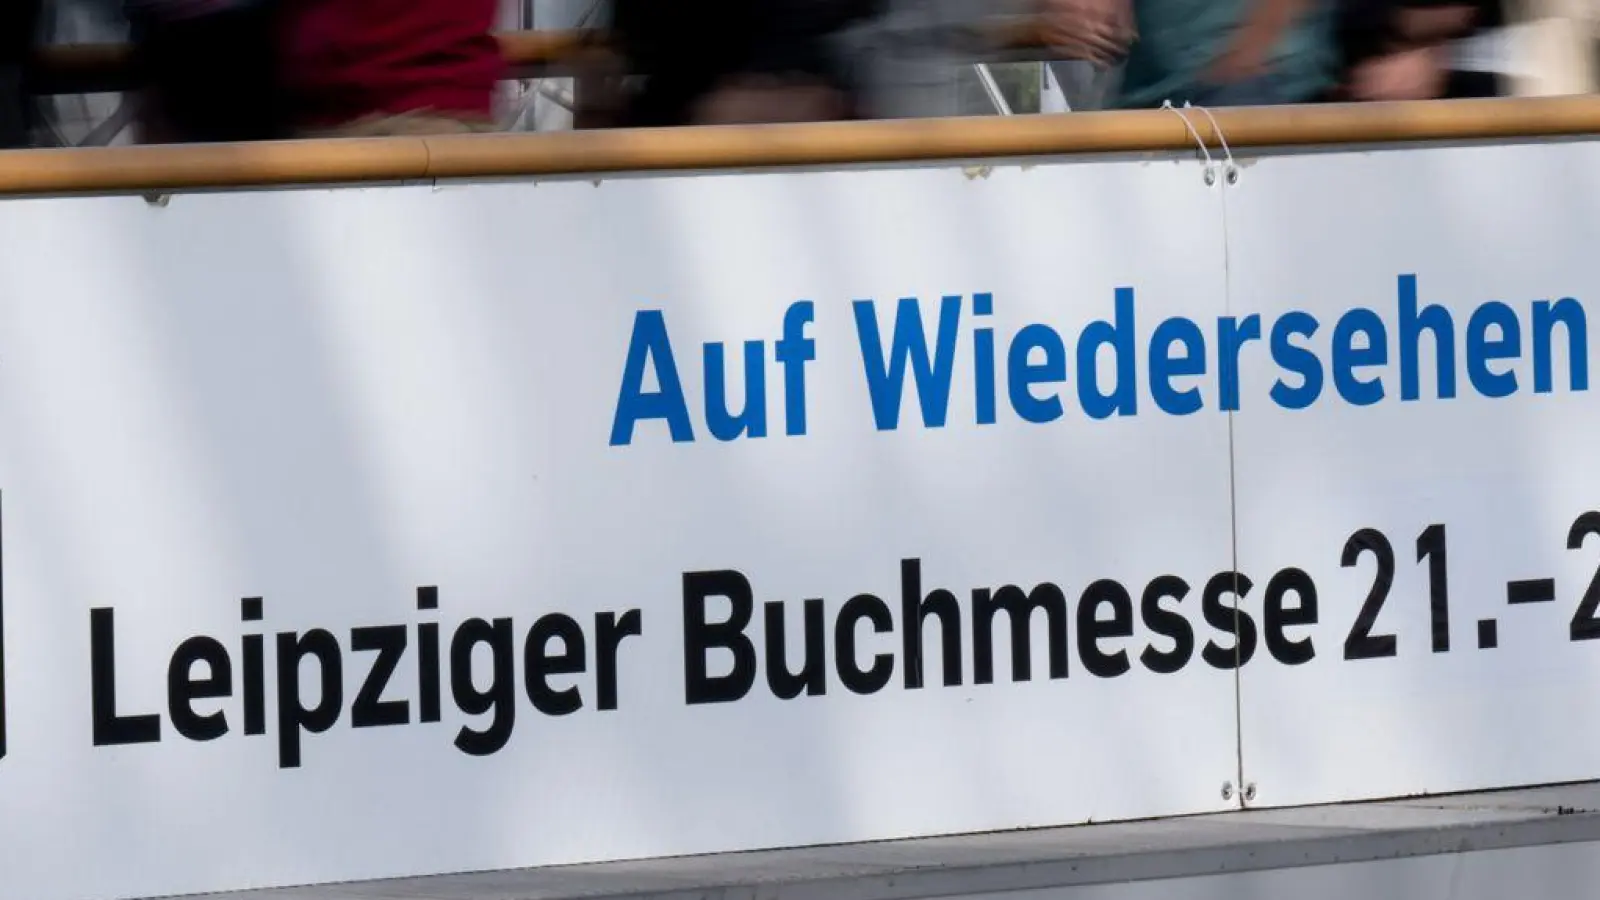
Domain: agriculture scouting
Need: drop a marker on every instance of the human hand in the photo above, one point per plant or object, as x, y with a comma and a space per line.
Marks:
1099, 31
1414, 74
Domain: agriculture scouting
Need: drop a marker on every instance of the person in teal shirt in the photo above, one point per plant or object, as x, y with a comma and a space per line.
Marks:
1229, 53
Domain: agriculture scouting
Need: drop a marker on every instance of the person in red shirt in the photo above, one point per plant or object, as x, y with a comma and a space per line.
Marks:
388, 67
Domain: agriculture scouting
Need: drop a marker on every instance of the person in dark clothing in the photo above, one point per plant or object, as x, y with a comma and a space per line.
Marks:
209, 70
19, 25
735, 60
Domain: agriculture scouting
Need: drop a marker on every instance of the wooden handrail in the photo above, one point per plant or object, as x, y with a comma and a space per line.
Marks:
161, 169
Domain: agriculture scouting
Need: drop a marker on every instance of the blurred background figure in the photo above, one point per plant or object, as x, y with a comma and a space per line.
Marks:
223, 70
1413, 50
912, 56
1230, 52
746, 61
736, 61
1094, 36
916, 58
1094, 31
360, 68
19, 27
208, 67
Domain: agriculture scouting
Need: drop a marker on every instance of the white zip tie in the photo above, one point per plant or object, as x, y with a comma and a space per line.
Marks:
1229, 167
1211, 173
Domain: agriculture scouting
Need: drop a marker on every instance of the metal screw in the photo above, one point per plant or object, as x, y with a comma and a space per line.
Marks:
1249, 791
1227, 790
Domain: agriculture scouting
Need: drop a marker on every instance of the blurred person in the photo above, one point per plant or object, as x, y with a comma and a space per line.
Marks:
736, 61
914, 54
1099, 32
19, 26
208, 70
1093, 36
911, 53
1229, 52
1412, 50
365, 68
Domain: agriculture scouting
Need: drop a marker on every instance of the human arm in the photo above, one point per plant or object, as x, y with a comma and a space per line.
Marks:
1251, 45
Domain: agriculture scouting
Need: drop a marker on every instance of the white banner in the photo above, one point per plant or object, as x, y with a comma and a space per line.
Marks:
1435, 479
374, 532
362, 533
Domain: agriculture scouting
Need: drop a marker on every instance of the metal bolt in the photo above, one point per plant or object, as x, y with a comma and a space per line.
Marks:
1227, 790
1249, 791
